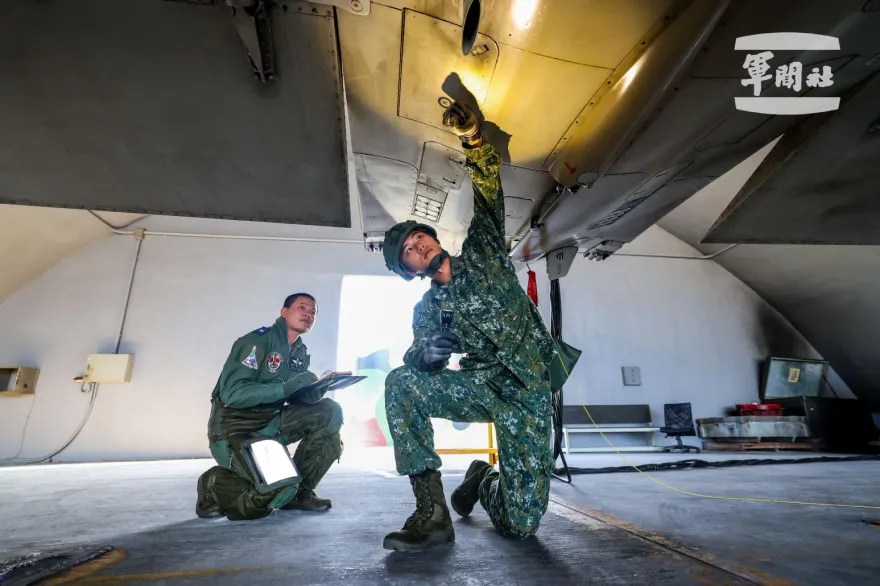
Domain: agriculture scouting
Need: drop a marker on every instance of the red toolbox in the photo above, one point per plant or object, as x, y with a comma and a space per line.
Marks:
756, 409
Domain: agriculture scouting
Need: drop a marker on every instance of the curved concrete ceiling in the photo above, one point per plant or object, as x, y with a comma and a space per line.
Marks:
33, 239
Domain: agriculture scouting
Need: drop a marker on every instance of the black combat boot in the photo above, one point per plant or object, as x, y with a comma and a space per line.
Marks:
305, 499
431, 523
467, 494
206, 508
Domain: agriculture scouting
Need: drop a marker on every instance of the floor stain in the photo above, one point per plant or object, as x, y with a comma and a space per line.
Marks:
121, 578
83, 571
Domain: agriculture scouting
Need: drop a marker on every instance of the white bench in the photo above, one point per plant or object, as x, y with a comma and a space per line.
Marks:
590, 428
611, 420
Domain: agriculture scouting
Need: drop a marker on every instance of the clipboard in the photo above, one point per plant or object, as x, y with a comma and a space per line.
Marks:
270, 464
331, 383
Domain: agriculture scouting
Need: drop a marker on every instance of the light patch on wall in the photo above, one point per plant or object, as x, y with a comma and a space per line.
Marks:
375, 331
375, 313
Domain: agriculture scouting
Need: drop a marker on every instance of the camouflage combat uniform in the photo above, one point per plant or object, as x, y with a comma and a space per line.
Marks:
503, 377
249, 401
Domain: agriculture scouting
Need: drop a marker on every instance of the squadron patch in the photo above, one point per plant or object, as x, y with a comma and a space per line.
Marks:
273, 362
251, 360
297, 364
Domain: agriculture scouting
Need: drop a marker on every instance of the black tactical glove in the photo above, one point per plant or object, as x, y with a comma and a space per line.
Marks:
297, 382
463, 122
438, 349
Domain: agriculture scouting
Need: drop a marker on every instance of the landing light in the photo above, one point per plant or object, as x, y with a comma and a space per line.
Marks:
470, 25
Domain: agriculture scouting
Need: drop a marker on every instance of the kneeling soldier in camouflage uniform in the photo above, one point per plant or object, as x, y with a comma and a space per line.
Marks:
252, 398
476, 306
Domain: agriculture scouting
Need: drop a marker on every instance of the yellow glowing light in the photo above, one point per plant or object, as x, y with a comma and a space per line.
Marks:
477, 84
628, 77
523, 11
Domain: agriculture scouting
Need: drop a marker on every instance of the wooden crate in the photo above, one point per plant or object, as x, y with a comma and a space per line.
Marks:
758, 446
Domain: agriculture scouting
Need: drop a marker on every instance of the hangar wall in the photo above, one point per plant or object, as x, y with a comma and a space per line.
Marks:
695, 331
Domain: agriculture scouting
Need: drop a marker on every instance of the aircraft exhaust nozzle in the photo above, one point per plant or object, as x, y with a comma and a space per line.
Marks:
470, 23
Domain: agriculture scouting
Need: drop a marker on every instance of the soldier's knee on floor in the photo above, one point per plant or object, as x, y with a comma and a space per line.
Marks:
528, 530
521, 531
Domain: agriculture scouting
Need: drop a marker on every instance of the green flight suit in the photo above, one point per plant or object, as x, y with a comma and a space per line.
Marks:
249, 401
503, 377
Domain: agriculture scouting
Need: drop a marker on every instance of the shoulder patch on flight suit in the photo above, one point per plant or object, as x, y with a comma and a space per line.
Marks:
251, 360
261, 331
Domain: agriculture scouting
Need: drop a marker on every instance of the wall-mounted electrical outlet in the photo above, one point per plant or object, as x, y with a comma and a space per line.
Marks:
109, 368
632, 376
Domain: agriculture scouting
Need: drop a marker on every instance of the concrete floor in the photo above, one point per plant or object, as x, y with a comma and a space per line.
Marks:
610, 459
605, 529
768, 542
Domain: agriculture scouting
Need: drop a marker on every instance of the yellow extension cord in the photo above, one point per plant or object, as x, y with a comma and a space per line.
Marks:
706, 496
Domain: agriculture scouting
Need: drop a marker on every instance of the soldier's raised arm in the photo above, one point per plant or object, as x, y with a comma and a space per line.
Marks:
483, 166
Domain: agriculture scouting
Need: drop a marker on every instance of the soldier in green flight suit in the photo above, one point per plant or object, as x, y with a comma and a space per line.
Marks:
252, 398
475, 306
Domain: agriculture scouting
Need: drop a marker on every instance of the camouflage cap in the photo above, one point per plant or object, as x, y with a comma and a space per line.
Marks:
394, 239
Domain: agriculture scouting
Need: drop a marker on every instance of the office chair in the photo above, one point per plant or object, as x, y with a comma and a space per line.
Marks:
679, 422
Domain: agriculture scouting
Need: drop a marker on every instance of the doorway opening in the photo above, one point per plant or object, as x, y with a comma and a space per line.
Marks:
375, 331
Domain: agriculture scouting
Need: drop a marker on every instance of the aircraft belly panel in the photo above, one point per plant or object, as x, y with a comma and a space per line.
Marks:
371, 55
569, 222
150, 107
370, 49
386, 189
431, 53
589, 32
534, 99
